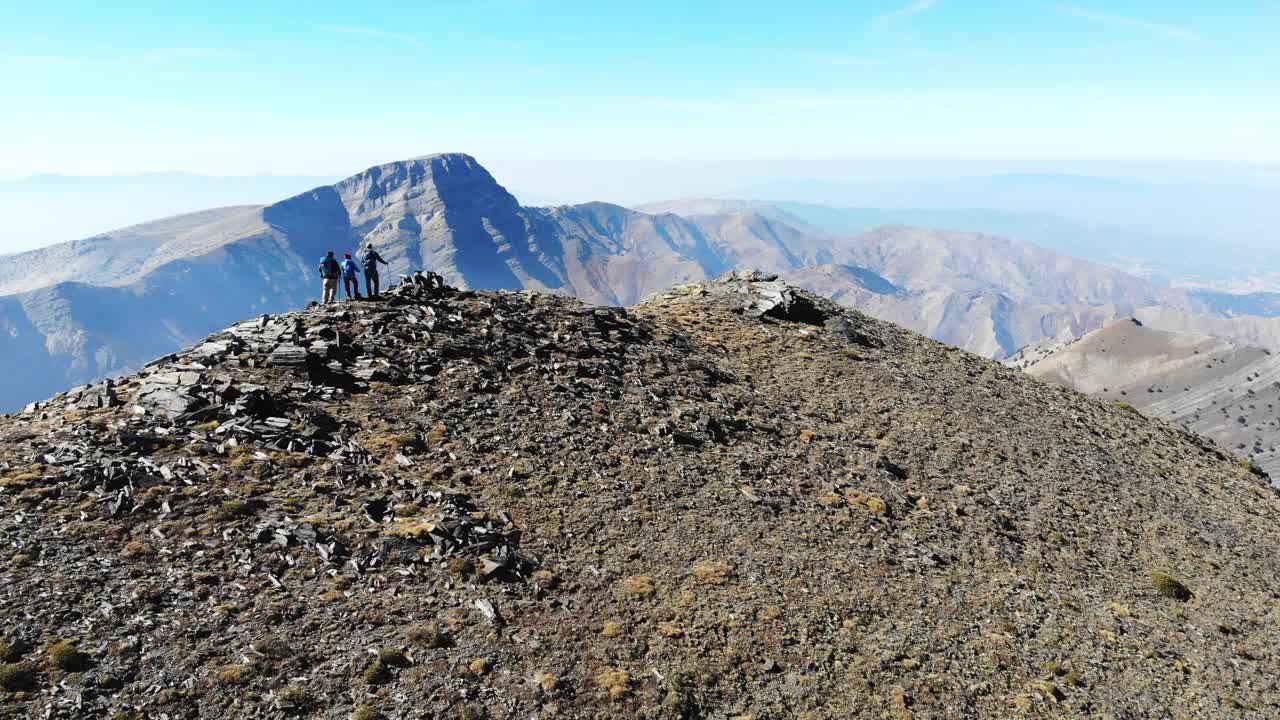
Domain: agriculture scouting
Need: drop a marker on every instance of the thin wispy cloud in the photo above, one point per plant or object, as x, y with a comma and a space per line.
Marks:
1171, 31
399, 37
896, 16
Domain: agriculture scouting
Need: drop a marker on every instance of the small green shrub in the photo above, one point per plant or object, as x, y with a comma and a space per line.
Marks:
393, 657
1250, 467
16, 677
1169, 586
64, 655
13, 649
429, 636
272, 646
294, 699
232, 509
377, 673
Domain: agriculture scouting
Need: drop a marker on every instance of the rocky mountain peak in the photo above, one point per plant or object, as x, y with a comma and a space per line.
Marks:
423, 181
735, 499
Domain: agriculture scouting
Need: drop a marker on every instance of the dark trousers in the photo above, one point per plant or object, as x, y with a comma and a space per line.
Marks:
352, 286
371, 282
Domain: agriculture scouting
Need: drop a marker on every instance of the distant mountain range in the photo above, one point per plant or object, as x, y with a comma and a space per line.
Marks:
1224, 391
1163, 257
79, 311
1235, 210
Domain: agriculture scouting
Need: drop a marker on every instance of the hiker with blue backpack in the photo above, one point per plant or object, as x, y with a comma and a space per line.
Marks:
351, 277
330, 271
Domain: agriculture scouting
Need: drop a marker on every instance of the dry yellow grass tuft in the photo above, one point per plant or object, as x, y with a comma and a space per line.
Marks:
639, 585
413, 529
22, 478
392, 441
712, 573
670, 630
871, 502
612, 628
831, 499
546, 681
615, 681
231, 674
138, 549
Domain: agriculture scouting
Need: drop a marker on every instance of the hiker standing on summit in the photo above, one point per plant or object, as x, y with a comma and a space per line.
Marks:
371, 259
329, 273
350, 277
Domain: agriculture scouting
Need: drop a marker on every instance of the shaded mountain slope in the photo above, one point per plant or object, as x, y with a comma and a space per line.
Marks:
120, 256
733, 500
73, 333
1226, 392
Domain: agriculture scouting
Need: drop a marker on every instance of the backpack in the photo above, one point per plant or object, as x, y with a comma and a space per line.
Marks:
329, 268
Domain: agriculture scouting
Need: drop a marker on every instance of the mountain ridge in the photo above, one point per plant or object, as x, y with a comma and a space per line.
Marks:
1224, 391
133, 294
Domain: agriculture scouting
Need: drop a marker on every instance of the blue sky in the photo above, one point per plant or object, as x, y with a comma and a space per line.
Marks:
554, 87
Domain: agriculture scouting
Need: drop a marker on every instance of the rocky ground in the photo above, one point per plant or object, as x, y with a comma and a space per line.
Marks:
735, 500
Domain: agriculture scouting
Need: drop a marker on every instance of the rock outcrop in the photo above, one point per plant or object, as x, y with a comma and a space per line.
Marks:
735, 499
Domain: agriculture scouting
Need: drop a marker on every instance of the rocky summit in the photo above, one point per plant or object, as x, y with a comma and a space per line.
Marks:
734, 500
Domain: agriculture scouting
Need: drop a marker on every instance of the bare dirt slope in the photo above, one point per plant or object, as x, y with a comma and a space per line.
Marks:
735, 501
1227, 392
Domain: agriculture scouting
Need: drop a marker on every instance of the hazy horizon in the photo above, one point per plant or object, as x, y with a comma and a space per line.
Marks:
1161, 110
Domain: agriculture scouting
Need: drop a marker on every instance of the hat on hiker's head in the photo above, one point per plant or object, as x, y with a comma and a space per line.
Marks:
370, 246
347, 255
330, 254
